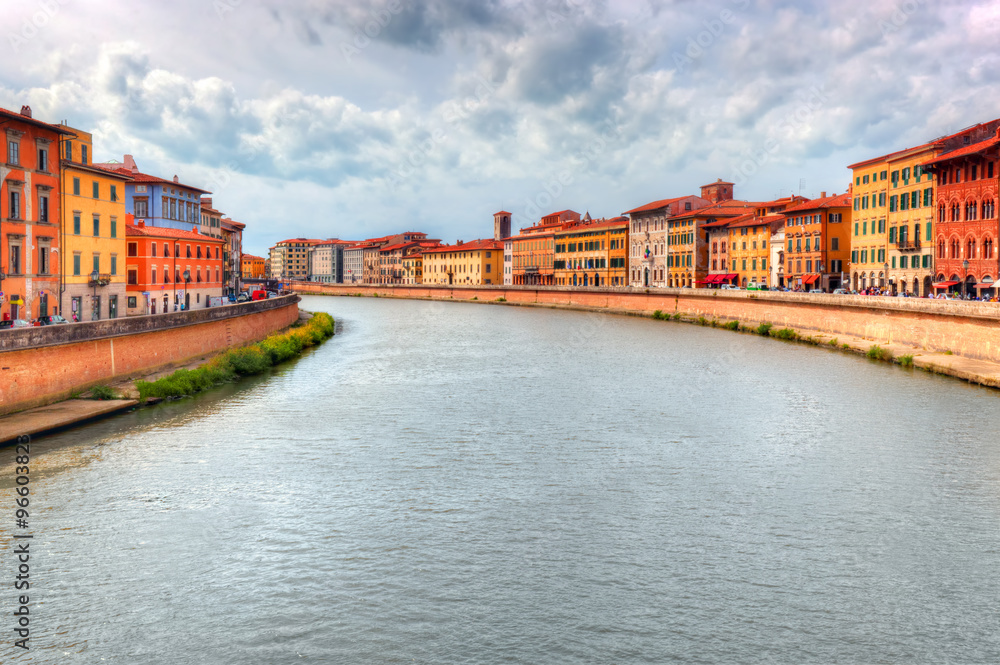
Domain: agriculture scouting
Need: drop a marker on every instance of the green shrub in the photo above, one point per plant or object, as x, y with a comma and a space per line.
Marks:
677, 316
764, 329
702, 321
833, 342
785, 333
501, 299
948, 352
103, 393
876, 352
846, 347
906, 361
732, 325
659, 315
474, 298
245, 361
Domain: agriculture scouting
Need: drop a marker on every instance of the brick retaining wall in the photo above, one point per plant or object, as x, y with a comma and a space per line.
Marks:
44, 365
969, 329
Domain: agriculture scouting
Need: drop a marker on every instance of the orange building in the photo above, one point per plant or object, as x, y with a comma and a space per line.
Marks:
533, 252
466, 263
818, 243
168, 269
592, 253
31, 216
687, 252
252, 266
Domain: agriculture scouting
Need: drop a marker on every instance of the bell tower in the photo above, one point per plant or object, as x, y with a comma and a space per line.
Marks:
501, 225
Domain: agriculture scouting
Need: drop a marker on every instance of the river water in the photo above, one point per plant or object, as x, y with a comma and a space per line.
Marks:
453, 483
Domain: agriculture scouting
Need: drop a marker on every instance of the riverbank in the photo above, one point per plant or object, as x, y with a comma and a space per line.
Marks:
192, 378
949, 338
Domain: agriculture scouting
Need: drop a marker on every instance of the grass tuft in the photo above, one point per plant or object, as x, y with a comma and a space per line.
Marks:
660, 315
501, 299
906, 361
785, 333
731, 325
244, 361
103, 393
764, 329
876, 352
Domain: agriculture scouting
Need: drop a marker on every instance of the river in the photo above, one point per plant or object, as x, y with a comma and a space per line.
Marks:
457, 483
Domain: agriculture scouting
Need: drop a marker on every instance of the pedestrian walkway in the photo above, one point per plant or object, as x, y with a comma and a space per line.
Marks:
59, 415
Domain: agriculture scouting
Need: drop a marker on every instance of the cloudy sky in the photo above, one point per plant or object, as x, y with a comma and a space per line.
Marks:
352, 119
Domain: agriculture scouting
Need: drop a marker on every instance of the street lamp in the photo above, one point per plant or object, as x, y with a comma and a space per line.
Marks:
965, 278
187, 278
885, 268
94, 276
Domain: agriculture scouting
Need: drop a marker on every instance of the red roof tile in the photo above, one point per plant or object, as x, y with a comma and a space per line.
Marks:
837, 201
965, 150
655, 205
145, 177
38, 123
164, 232
471, 246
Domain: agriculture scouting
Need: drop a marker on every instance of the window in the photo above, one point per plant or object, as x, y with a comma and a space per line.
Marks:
15, 203
96, 186
43, 208
834, 244
133, 279
130, 301
152, 249
114, 192
133, 249
881, 226
43, 159
97, 263
141, 208
69, 150
112, 307
189, 251
76, 186
114, 227
152, 275
114, 264
76, 263
13, 152
97, 226
43, 259
903, 262
83, 154
881, 200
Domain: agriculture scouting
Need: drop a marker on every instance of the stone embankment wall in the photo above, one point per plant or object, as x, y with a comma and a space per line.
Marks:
969, 329
44, 365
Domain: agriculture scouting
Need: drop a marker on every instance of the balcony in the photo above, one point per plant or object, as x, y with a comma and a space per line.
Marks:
102, 280
908, 245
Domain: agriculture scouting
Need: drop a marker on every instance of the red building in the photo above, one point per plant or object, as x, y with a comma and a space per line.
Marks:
168, 269
30, 218
967, 173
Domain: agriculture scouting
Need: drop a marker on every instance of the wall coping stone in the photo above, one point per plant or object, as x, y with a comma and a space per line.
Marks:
18, 339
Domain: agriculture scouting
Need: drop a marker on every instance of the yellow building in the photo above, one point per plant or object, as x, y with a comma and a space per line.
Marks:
252, 266
869, 237
413, 269
592, 253
93, 226
750, 247
910, 218
471, 263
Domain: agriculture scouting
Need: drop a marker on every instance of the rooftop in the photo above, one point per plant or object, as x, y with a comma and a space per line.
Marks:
165, 232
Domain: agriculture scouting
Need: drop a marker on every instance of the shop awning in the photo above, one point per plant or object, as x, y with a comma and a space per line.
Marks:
731, 275
715, 279
986, 285
943, 285
809, 279
703, 282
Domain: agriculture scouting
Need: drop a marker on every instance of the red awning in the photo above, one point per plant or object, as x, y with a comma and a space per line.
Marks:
943, 285
703, 281
731, 275
986, 285
714, 279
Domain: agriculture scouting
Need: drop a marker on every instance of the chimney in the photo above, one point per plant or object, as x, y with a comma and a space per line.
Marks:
130, 164
177, 180
206, 201
26, 111
141, 223
822, 195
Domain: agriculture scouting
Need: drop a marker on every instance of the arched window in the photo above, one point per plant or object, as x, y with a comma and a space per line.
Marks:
955, 210
941, 248
988, 248
941, 213
989, 209
970, 248
954, 248
970, 210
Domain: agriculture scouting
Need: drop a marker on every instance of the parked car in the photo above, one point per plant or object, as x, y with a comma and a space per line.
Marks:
14, 323
230, 298
841, 292
729, 287
259, 295
243, 297
272, 294
52, 320
752, 286
816, 291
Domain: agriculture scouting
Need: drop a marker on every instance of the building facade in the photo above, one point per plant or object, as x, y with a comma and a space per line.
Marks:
326, 262
354, 263
967, 174
30, 219
869, 238
647, 254
910, 218
593, 253
818, 243
168, 269
211, 219
232, 256
468, 264
252, 267
290, 259
93, 231
533, 250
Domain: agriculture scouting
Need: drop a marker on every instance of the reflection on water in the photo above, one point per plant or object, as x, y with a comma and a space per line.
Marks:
445, 482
